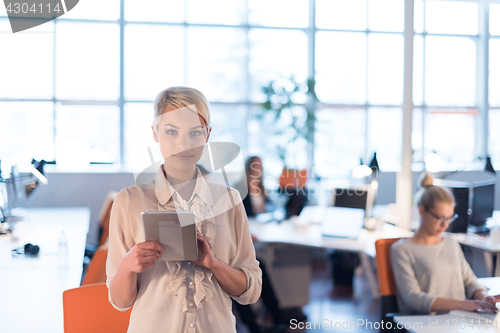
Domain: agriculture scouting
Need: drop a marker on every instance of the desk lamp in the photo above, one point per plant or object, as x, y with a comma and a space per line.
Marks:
362, 170
38, 173
374, 164
18, 186
488, 166
372, 170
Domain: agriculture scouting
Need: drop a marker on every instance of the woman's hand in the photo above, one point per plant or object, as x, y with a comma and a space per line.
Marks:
205, 255
493, 299
474, 305
482, 295
142, 257
232, 280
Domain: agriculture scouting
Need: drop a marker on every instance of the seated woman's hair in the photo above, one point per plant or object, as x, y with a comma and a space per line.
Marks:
249, 165
180, 97
429, 193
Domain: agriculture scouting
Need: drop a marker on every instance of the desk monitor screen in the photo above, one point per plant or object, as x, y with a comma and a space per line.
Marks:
350, 198
461, 194
342, 222
360, 197
483, 199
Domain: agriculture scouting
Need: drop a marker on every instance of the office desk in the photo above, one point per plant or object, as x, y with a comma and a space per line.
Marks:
482, 243
31, 287
288, 233
445, 323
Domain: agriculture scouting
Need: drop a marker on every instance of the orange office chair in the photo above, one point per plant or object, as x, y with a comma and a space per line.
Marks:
87, 309
293, 179
96, 272
387, 284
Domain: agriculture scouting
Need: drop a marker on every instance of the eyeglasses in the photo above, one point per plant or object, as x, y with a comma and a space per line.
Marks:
442, 219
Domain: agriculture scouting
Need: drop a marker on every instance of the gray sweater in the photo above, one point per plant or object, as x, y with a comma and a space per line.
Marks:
425, 272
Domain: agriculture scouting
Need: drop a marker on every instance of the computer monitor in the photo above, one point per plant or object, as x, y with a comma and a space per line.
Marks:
357, 197
350, 198
461, 194
483, 200
461, 191
474, 204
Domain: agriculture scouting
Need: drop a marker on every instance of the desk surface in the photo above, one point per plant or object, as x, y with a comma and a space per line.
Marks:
288, 233
32, 287
447, 322
477, 241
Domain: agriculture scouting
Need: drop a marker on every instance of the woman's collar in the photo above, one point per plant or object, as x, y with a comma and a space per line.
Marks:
164, 190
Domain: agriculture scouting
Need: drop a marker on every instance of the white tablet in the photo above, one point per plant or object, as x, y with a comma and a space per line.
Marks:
179, 243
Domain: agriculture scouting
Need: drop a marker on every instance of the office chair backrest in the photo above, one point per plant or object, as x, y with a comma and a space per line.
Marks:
293, 179
87, 309
96, 272
386, 281
104, 217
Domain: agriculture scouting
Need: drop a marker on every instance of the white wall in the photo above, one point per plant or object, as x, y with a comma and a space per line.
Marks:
77, 190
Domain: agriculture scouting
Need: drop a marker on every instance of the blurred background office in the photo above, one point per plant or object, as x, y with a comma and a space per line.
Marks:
79, 90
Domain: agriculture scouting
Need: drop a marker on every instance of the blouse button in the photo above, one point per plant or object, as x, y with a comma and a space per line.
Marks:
191, 325
191, 283
191, 304
189, 262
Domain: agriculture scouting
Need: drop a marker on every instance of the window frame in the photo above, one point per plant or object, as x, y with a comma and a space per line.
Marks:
482, 41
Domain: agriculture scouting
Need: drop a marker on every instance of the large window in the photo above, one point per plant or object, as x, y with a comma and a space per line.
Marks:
359, 68
60, 90
445, 80
81, 87
494, 84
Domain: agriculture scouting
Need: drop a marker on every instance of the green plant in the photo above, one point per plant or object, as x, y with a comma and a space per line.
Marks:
293, 105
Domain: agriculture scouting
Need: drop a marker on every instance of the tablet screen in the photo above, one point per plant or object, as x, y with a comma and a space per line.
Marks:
179, 243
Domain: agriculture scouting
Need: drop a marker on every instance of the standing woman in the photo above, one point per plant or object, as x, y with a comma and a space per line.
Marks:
430, 270
181, 296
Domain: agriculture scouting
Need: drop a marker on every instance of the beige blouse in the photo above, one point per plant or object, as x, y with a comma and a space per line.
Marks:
178, 296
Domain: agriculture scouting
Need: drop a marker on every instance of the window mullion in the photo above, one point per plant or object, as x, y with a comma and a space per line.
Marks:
482, 84
121, 100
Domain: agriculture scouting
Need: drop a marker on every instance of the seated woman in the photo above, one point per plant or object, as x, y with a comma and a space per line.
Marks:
256, 200
255, 203
430, 270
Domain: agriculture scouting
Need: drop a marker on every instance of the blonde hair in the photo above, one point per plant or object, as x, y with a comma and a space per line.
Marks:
181, 97
429, 193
